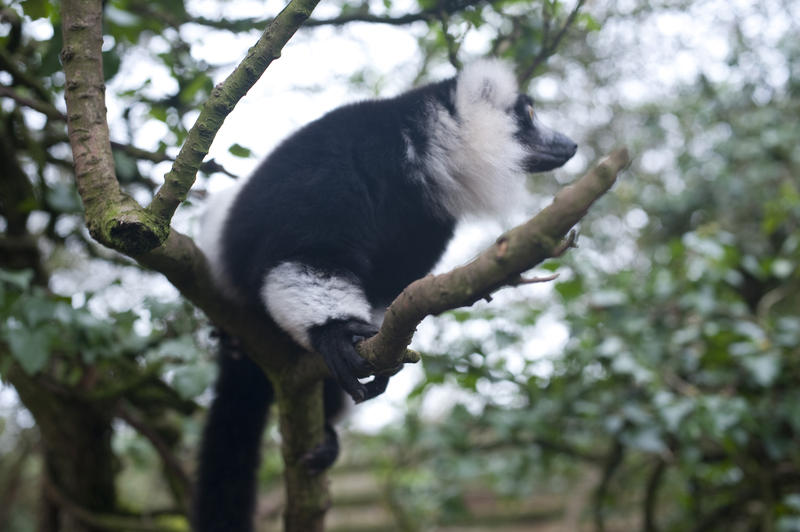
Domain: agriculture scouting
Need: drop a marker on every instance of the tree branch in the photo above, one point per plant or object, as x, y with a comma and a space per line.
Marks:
223, 98
112, 217
424, 15
177, 477
549, 48
515, 252
651, 495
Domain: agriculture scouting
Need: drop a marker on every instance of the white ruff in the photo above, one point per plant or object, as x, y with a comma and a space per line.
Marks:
299, 297
475, 159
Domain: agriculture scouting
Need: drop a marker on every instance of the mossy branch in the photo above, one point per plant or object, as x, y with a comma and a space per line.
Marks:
113, 218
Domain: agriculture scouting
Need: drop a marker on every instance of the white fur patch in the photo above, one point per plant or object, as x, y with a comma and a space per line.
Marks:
299, 297
489, 80
210, 237
475, 159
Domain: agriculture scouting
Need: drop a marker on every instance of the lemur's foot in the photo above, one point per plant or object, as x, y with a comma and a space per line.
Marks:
323, 455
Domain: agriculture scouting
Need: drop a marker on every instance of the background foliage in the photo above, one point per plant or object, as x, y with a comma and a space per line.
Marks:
672, 403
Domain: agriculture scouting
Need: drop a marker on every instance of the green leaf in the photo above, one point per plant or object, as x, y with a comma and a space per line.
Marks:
191, 380
588, 22
182, 348
36, 8
111, 63
125, 166
199, 86
29, 347
570, 289
764, 368
20, 279
63, 197
240, 151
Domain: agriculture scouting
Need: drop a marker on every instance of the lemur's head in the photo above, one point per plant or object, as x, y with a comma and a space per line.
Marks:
490, 87
547, 148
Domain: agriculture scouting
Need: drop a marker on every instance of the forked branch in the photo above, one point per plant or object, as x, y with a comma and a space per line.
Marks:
518, 250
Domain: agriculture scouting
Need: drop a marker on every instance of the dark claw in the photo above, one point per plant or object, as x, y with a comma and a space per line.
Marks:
376, 386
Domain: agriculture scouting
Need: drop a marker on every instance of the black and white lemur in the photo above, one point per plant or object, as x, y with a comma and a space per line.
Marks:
335, 222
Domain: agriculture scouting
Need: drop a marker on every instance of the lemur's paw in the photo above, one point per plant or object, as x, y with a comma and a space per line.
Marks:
322, 457
335, 341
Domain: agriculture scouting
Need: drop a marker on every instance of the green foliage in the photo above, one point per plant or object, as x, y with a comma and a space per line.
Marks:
240, 151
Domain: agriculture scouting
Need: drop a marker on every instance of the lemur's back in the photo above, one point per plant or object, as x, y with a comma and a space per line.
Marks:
341, 194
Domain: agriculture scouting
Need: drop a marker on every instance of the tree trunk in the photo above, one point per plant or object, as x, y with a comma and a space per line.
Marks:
78, 472
301, 425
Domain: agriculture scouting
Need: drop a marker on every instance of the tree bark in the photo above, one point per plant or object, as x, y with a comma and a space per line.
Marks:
301, 422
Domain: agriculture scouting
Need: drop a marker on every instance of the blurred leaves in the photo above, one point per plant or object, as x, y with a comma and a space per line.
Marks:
686, 354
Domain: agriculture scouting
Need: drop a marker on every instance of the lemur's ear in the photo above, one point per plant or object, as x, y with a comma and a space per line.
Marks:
489, 80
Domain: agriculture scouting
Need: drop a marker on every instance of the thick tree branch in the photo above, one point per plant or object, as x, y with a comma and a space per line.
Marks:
223, 98
113, 218
515, 252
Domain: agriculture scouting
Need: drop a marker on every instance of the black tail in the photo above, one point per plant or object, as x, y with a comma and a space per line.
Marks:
230, 453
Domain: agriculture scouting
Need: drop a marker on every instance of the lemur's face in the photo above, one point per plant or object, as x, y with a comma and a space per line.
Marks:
547, 148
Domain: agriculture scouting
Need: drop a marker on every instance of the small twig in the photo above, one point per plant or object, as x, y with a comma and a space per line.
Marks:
171, 464
549, 48
22, 77
43, 107
450, 40
51, 111
569, 242
425, 15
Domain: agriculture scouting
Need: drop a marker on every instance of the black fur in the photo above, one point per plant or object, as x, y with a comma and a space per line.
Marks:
230, 452
336, 195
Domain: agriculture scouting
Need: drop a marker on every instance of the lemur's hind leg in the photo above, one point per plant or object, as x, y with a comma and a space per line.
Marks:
325, 312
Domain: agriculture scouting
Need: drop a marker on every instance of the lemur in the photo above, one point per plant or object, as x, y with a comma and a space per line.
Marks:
335, 222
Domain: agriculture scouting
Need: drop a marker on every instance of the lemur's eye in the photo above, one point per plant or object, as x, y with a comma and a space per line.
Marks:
531, 114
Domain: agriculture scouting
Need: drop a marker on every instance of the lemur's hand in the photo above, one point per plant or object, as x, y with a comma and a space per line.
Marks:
335, 341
